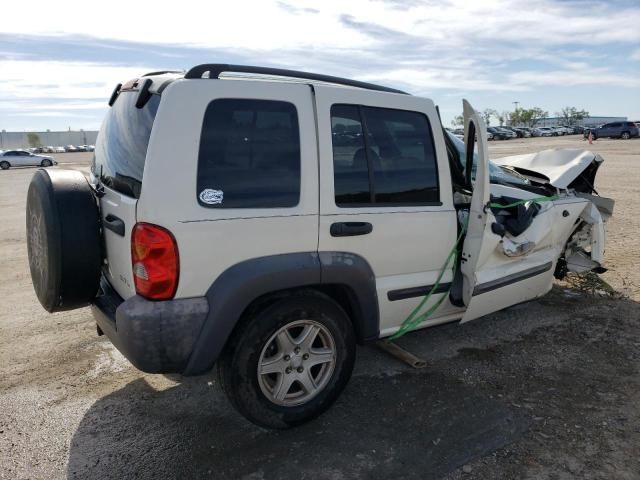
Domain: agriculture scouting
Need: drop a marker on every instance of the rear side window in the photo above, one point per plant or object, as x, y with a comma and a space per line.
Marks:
383, 157
121, 147
249, 155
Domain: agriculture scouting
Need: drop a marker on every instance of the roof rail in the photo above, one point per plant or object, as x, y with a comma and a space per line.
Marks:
215, 69
162, 72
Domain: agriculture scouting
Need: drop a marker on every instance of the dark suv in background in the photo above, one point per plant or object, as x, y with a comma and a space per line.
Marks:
614, 130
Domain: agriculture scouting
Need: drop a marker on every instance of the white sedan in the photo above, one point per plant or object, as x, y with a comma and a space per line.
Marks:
22, 158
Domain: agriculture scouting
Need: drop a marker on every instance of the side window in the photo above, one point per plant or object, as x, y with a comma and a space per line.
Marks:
402, 157
249, 155
383, 157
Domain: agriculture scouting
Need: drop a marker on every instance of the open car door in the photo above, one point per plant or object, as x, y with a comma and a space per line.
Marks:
477, 222
492, 280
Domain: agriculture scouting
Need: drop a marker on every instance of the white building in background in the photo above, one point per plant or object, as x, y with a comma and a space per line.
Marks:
591, 121
11, 140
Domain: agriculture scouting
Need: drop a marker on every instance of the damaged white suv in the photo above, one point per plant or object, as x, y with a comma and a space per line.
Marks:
267, 222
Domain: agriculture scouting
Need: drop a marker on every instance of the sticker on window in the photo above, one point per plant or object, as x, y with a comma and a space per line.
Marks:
211, 197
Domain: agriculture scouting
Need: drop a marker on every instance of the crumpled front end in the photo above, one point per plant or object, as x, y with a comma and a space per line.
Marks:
569, 174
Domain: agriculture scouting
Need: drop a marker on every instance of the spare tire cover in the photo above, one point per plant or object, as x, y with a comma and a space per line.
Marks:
63, 239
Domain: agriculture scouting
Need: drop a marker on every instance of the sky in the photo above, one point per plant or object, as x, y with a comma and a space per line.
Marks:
59, 61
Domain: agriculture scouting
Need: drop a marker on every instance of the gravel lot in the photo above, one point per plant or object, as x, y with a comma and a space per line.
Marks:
548, 389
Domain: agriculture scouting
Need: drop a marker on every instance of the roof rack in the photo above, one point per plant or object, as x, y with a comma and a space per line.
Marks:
215, 69
161, 72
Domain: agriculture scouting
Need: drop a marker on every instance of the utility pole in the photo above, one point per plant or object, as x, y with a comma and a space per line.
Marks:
515, 117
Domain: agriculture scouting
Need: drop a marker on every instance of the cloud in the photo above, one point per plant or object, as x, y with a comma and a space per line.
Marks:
78, 80
573, 77
426, 47
295, 10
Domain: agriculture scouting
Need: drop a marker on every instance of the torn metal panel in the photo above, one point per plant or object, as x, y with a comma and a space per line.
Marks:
558, 167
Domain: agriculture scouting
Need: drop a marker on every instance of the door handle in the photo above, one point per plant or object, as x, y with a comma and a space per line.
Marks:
350, 229
115, 224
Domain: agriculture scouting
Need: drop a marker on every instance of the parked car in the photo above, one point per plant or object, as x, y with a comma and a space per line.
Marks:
342, 229
23, 158
70, 148
59, 150
544, 132
48, 149
90, 148
499, 134
623, 130
81, 148
516, 133
489, 135
522, 132
578, 129
508, 131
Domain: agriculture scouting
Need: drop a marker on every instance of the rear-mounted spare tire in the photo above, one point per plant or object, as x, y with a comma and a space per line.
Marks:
63, 239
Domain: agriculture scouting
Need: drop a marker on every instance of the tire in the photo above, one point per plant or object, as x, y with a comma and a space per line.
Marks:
45, 163
625, 135
593, 136
63, 239
4, 165
255, 395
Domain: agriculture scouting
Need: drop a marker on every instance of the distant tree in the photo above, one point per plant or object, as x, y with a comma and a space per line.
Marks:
458, 121
503, 117
537, 114
571, 115
487, 113
34, 140
528, 117
515, 117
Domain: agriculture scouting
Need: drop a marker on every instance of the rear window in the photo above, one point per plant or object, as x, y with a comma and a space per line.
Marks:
249, 155
121, 147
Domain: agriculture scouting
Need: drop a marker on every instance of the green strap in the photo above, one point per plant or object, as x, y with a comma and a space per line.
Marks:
413, 320
522, 202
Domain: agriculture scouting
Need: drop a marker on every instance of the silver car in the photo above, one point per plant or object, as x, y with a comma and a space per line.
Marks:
22, 158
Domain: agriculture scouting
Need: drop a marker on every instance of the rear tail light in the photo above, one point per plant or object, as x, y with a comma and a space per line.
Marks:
155, 261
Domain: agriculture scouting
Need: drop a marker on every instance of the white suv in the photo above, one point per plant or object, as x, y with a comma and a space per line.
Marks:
268, 224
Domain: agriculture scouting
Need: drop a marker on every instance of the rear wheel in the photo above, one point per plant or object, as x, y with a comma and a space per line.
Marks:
288, 363
625, 136
45, 163
4, 165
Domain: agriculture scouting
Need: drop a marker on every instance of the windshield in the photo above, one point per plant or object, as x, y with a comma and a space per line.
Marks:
497, 174
121, 147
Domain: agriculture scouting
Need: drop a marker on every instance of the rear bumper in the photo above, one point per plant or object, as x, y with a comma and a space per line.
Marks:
155, 336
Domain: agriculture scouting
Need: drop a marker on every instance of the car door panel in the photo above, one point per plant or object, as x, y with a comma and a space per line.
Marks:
22, 159
407, 244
